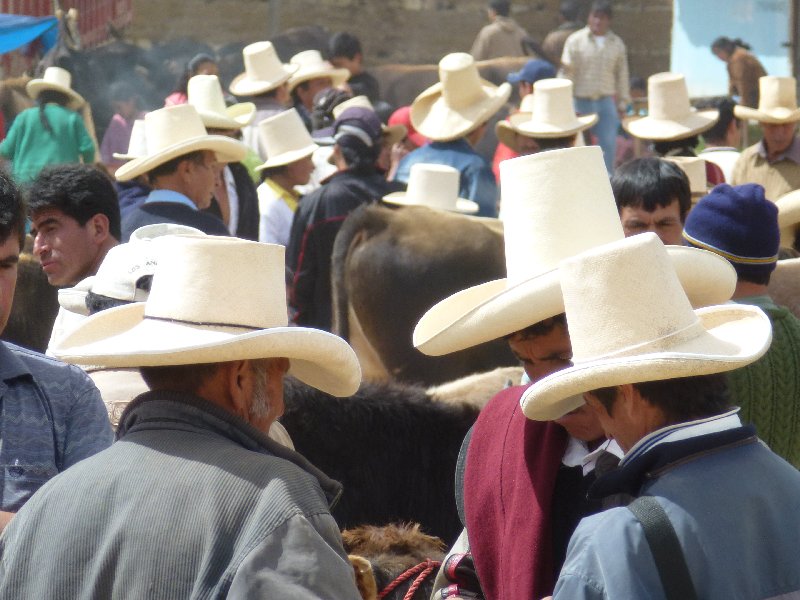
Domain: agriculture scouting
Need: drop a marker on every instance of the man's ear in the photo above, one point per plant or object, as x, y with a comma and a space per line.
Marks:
99, 227
627, 399
239, 384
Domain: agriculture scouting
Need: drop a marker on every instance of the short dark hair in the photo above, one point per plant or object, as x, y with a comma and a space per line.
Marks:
681, 400
179, 378
272, 171
541, 328
169, 167
12, 210
725, 107
602, 6
570, 9
501, 7
728, 45
680, 147
650, 183
79, 191
556, 143
344, 45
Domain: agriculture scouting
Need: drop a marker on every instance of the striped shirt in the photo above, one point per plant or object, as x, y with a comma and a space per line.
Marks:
597, 68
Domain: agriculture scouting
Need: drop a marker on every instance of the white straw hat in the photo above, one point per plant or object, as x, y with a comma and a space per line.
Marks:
174, 131
137, 145
263, 71
670, 114
213, 299
391, 133
777, 101
285, 139
630, 322
695, 169
56, 79
788, 217
556, 204
434, 186
460, 101
205, 94
310, 65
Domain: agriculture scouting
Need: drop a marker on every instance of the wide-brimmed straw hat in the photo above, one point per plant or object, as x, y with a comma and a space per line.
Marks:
58, 80
460, 101
285, 139
695, 169
777, 101
788, 217
670, 114
263, 71
174, 131
434, 186
213, 299
391, 133
630, 322
551, 114
555, 204
311, 65
205, 94
137, 145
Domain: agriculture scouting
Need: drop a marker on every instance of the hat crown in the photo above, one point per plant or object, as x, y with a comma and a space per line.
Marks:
668, 96
777, 93
354, 102
461, 82
137, 146
308, 58
552, 102
172, 125
625, 298
187, 286
433, 185
58, 76
284, 132
261, 62
205, 94
122, 267
555, 204
695, 169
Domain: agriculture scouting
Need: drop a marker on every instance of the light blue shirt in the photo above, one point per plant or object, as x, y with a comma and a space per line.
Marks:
170, 196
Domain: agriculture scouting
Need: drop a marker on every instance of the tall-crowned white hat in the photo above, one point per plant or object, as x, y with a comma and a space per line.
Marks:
434, 186
174, 131
205, 94
285, 139
670, 114
213, 299
56, 79
311, 65
630, 322
777, 101
263, 71
695, 169
556, 204
460, 101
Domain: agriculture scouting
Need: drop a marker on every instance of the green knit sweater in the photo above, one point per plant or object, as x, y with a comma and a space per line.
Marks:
768, 390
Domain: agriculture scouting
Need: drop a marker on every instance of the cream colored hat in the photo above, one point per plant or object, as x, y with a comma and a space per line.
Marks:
56, 79
695, 169
205, 94
551, 114
137, 145
788, 217
670, 115
285, 139
556, 204
174, 131
391, 133
630, 322
213, 299
310, 65
777, 101
263, 71
434, 186
460, 101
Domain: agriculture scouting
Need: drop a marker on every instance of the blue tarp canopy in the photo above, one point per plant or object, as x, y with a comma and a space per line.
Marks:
18, 30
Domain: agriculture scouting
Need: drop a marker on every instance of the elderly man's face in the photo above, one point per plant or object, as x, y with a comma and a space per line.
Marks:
778, 136
267, 392
202, 178
664, 221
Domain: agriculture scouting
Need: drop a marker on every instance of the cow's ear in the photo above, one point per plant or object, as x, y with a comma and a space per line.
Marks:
365, 578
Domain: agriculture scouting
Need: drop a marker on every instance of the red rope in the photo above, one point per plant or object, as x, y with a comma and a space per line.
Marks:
422, 570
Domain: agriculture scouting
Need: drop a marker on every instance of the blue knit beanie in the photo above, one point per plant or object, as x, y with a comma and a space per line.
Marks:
738, 223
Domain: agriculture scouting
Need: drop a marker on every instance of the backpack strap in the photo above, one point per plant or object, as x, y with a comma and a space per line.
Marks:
665, 547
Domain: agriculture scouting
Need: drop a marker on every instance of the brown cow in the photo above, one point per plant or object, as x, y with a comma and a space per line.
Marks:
390, 266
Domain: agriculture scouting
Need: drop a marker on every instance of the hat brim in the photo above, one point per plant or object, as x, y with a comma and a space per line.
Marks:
235, 117
434, 119
788, 216
123, 337
493, 310
523, 124
776, 115
733, 336
226, 149
287, 157
119, 156
662, 130
338, 77
73, 299
461, 205
393, 133
242, 85
36, 86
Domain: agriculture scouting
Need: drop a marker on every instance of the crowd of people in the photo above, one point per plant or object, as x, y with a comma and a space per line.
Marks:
651, 448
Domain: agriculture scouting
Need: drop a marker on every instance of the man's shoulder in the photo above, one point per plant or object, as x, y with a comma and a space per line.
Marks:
44, 367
